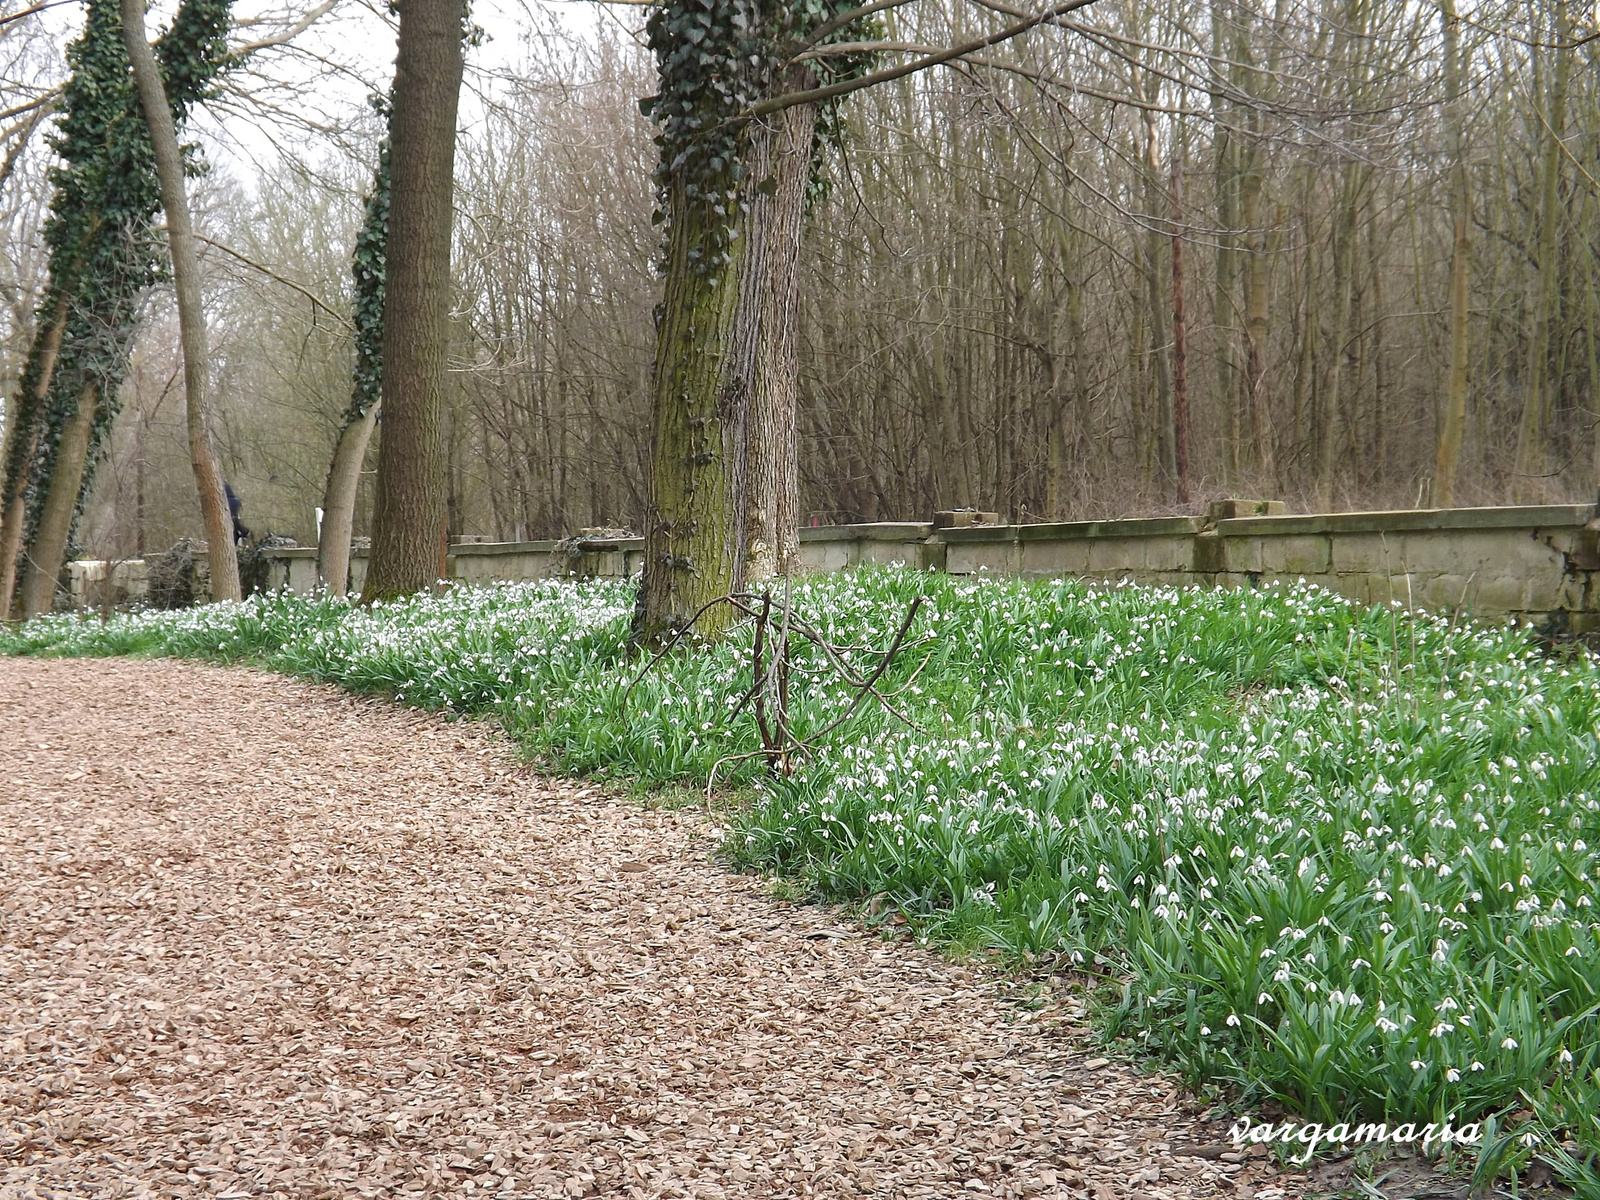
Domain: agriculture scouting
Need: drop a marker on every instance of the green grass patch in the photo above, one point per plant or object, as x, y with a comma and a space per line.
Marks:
1339, 856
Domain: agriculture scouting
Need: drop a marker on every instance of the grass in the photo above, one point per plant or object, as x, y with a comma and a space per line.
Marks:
1336, 858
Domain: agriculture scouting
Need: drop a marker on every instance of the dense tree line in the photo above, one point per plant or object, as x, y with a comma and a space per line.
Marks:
1383, 217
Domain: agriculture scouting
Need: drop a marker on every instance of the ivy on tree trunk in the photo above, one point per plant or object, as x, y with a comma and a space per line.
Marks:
350, 450
724, 485
103, 258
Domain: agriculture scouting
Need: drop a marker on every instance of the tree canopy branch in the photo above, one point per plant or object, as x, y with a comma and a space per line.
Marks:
316, 300
846, 86
304, 23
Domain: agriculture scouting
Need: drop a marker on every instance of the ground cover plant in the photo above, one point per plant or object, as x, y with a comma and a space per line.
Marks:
1333, 857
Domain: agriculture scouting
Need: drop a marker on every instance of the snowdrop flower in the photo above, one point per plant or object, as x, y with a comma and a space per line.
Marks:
1509, 1044
1565, 1056
1233, 1019
1453, 1075
1417, 1064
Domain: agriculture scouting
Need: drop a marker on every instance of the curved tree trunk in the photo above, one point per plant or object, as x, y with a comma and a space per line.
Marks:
339, 502
223, 556
410, 509
22, 438
49, 546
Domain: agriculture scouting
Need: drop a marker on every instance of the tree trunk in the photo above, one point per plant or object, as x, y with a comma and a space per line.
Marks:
339, 501
224, 559
1257, 290
697, 430
772, 507
1455, 403
1528, 484
1180, 351
409, 512
725, 504
49, 546
1155, 245
22, 438
1339, 351
1223, 312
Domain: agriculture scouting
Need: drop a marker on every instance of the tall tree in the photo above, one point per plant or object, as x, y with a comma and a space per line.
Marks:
1453, 426
169, 161
102, 260
408, 535
722, 433
1528, 486
350, 450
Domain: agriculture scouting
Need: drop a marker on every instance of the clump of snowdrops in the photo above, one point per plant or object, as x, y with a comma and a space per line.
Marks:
1330, 856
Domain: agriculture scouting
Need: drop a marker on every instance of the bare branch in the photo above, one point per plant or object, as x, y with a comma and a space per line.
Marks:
37, 8
845, 87
840, 20
271, 274
304, 23
46, 100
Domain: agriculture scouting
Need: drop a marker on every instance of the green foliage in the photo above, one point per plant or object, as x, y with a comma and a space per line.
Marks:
367, 266
1336, 857
715, 59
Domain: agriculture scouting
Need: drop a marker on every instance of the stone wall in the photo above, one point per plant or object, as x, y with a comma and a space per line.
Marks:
1536, 563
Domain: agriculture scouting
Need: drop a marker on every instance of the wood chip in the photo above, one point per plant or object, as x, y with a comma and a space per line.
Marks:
318, 945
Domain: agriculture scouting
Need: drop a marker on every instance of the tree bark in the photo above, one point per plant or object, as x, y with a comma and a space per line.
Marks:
224, 559
1528, 485
1455, 404
725, 503
49, 546
22, 438
772, 508
1180, 336
1339, 351
692, 547
410, 508
339, 501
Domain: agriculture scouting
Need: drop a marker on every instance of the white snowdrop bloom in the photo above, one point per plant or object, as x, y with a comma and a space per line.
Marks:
1205, 1031
1453, 1075
1264, 998
1509, 1044
1565, 1056
1477, 1066
1233, 1019
1573, 952
1417, 1064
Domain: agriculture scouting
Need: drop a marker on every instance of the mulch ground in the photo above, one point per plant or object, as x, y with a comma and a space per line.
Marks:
261, 938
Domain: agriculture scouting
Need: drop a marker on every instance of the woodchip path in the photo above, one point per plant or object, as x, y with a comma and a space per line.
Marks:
261, 938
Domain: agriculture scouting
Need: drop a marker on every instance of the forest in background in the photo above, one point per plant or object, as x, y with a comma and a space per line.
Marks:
989, 278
